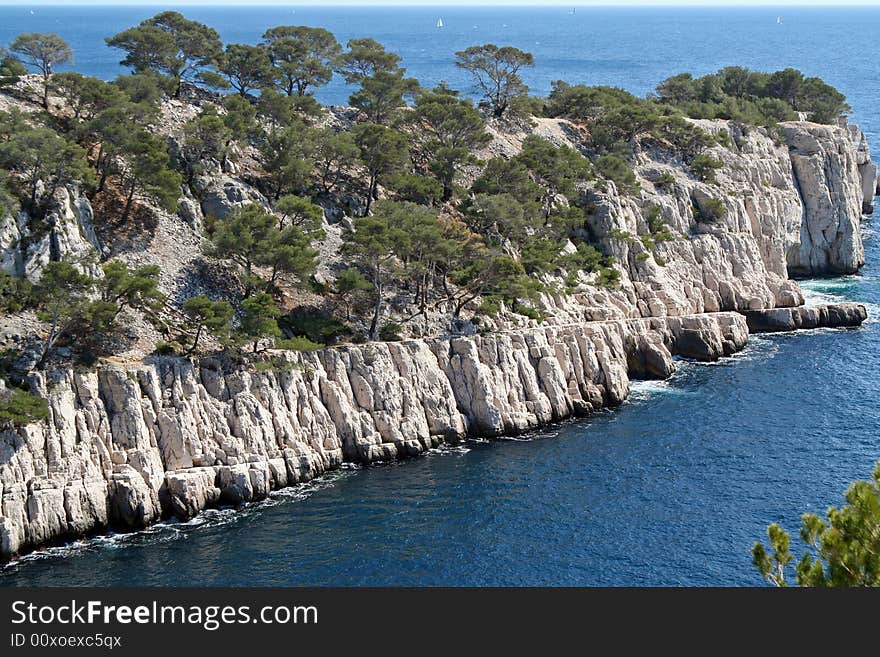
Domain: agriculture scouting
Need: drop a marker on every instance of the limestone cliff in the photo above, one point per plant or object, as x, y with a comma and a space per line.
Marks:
66, 231
125, 446
790, 208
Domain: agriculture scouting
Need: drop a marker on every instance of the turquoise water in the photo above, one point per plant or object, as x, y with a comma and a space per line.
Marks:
672, 488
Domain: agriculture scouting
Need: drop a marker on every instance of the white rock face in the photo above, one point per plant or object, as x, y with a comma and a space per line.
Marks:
10, 234
867, 169
221, 194
67, 232
831, 185
790, 208
123, 446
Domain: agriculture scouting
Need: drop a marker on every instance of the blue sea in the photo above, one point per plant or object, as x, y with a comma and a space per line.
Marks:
670, 489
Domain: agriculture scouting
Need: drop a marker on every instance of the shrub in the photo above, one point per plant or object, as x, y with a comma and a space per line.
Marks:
167, 348
298, 343
659, 232
753, 97
615, 168
665, 179
682, 135
710, 211
20, 407
724, 139
15, 293
318, 328
654, 220
10, 69
490, 306
619, 234
608, 277
417, 189
704, 167
275, 364
528, 311
390, 332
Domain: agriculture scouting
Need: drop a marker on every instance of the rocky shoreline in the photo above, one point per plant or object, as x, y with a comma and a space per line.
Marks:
127, 446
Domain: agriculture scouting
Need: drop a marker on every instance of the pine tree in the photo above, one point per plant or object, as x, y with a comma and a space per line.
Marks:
843, 550
171, 45
496, 72
45, 52
383, 152
259, 319
371, 245
301, 57
245, 67
383, 82
207, 315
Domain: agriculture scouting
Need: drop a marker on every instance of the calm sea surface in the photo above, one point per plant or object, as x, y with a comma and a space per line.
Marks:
673, 487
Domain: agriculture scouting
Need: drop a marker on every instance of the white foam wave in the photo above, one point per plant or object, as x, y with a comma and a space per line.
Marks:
819, 291
173, 529
457, 450
642, 389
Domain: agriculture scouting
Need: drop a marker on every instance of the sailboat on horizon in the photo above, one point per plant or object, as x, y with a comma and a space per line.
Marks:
439, 23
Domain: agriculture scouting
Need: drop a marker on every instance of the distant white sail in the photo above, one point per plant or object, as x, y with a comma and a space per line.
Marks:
778, 20
439, 22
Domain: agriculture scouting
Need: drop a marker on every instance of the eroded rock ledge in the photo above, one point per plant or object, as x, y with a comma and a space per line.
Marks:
124, 447
805, 317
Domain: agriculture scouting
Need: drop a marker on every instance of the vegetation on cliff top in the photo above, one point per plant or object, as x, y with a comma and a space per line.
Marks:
435, 229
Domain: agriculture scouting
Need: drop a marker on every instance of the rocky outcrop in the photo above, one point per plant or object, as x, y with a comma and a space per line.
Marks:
867, 169
220, 195
65, 232
791, 207
806, 317
124, 446
826, 164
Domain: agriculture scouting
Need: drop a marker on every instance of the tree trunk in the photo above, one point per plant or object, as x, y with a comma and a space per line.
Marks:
99, 156
460, 306
103, 180
373, 192
46, 91
195, 343
50, 341
128, 201
424, 302
376, 310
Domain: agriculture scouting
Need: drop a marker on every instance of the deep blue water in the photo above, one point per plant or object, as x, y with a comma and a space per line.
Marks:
673, 487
